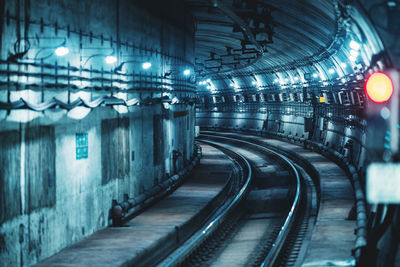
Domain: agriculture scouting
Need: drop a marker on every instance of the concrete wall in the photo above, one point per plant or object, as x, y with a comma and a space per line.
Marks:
335, 134
60, 169
52, 199
123, 28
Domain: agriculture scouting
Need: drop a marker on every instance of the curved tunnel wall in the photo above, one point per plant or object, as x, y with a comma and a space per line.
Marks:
76, 133
333, 134
323, 101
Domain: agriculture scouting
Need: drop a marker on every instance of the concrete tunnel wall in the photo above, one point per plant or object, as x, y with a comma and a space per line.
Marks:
50, 197
334, 134
245, 99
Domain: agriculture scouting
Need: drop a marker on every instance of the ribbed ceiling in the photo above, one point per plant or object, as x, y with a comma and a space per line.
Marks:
251, 35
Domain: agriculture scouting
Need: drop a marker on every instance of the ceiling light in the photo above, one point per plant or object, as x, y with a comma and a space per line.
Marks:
354, 45
186, 72
331, 71
61, 51
354, 53
110, 59
174, 100
315, 75
146, 65
352, 58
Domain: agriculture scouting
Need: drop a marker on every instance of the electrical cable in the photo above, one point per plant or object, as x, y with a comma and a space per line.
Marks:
101, 101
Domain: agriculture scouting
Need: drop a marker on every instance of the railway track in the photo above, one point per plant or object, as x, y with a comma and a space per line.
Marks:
221, 216
264, 223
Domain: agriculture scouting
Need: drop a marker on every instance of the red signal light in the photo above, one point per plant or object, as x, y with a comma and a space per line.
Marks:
379, 87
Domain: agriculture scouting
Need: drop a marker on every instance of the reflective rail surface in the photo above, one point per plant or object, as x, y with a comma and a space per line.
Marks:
283, 233
200, 236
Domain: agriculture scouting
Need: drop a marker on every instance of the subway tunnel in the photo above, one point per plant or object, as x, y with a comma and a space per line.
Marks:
199, 133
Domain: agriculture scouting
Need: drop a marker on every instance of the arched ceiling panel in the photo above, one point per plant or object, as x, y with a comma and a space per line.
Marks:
235, 36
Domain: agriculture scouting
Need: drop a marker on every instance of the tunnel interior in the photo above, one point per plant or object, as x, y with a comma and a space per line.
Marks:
101, 102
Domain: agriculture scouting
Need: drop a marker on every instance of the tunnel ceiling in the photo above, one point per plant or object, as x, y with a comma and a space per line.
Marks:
251, 35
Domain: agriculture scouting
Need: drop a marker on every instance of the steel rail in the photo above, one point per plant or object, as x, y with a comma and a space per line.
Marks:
272, 255
200, 236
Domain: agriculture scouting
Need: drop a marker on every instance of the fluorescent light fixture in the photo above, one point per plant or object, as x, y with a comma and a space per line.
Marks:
200, 83
146, 65
234, 85
208, 80
354, 45
61, 51
174, 100
352, 58
331, 71
343, 65
354, 53
186, 72
110, 59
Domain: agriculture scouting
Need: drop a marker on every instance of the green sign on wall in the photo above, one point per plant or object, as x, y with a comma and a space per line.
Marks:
82, 146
